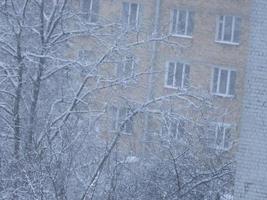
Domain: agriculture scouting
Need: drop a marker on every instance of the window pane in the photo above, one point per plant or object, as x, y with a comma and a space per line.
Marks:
133, 15
215, 80
128, 67
120, 70
237, 29
228, 28
232, 83
129, 126
164, 130
95, 10
114, 118
170, 74
173, 129
190, 26
174, 21
151, 124
223, 81
220, 28
219, 136
178, 74
122, 118
181, 22
186, 76
210, 133
181, 129
129, 123
122, 114
227, 138
85, 8
125, 13
84, 56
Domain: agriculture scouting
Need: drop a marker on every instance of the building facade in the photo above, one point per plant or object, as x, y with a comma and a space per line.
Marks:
196, 48
202, 45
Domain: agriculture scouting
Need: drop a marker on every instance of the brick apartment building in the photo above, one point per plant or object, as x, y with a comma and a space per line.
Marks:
201, 44
176, 45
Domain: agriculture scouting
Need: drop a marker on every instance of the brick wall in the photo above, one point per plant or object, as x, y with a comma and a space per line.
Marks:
251, 178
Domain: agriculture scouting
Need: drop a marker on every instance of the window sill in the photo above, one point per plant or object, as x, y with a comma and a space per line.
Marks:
122, 133
169, 140
221, 149
131, 29
127, 134
88, 20
126, 84
223, 95
228, 43
92, 23
181, 36
175, 88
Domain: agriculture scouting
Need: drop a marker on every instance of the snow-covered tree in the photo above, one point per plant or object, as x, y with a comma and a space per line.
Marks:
68, 95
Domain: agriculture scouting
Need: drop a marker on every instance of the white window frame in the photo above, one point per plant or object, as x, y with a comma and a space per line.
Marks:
169, 129
217, 93
153, 124
185, 35
123, 67
94, 124
174, 78
117, 120
128, 25
90, 11
85, 56
220, 39
225, 127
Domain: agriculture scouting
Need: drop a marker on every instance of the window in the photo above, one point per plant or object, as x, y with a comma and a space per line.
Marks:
182, 23
223, 136
90, 10
86, 57
177, 75
224, 82
152, 127
118, 116
174, 129
228, 29
126, 69
130, 12
94, 124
